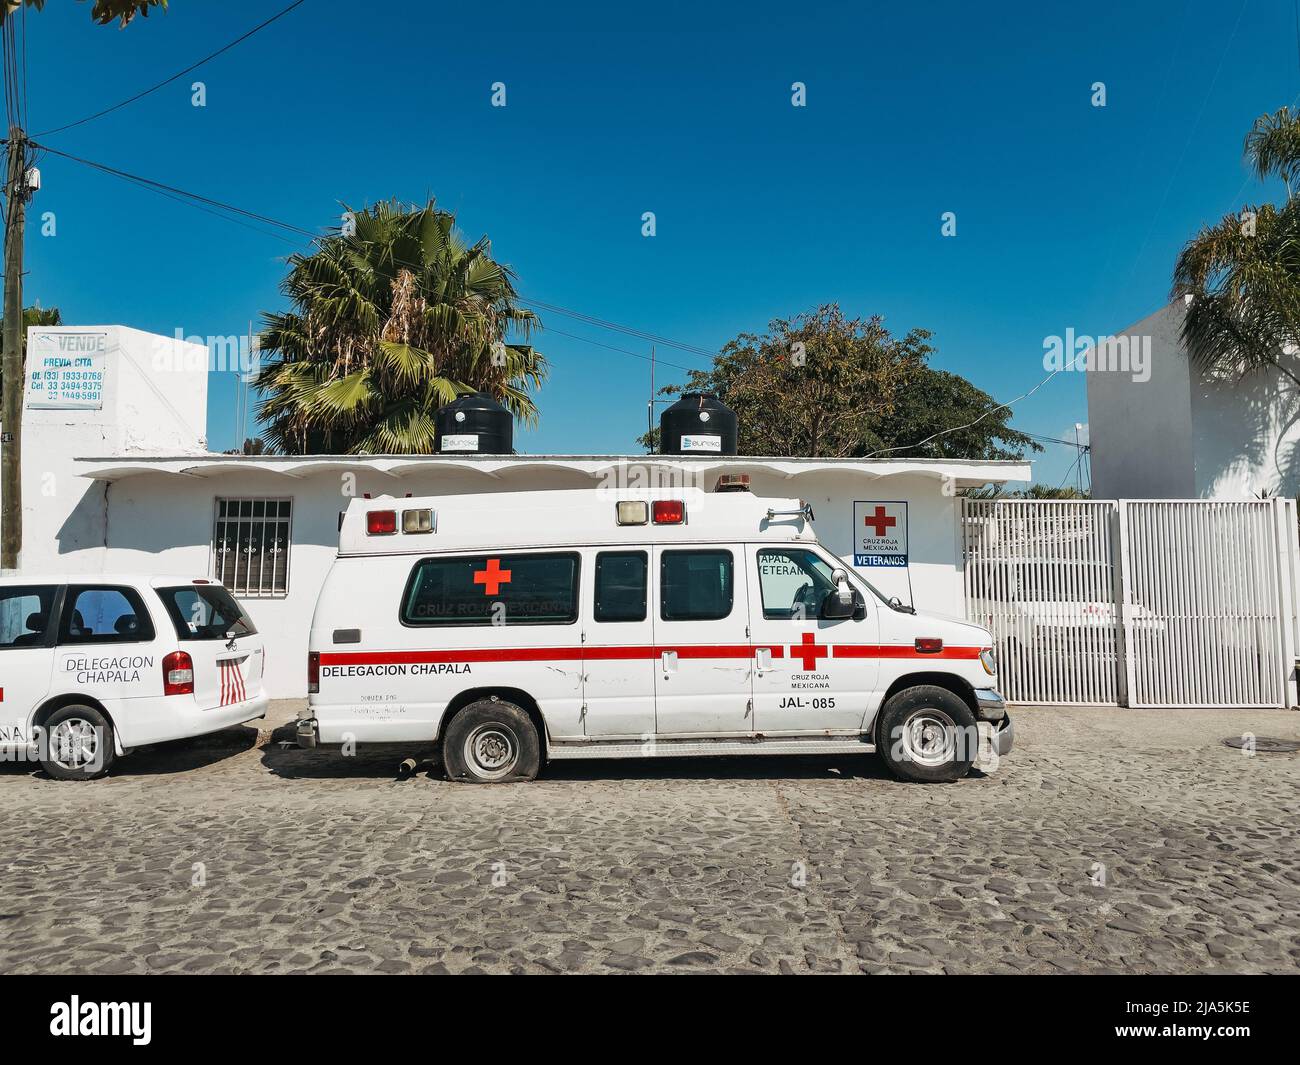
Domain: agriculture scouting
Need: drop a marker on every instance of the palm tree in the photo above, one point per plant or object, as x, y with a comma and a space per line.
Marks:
1241, 277
389, 323
35, 315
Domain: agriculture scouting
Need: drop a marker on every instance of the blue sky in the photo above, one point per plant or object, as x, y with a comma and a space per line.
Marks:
1068, 215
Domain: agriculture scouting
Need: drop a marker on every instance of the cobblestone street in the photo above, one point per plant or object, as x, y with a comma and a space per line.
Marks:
1109, 841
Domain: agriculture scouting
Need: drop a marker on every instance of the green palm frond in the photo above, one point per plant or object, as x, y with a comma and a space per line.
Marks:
386, 325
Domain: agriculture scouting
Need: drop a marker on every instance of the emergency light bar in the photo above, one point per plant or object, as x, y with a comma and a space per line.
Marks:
669, 512
384, 522
381, 522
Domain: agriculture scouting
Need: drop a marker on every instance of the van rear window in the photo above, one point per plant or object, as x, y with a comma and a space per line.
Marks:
205, 612
493, 590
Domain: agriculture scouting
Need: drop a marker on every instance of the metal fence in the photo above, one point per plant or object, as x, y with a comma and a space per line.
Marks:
1136, 602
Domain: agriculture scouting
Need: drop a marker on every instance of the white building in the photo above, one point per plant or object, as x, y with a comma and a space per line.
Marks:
117, 477
1160, 429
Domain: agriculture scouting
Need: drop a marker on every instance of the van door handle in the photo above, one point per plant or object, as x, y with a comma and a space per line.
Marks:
763, 661
669, 661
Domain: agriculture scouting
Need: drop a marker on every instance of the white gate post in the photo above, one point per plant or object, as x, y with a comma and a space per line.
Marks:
1126, 671
1287, 549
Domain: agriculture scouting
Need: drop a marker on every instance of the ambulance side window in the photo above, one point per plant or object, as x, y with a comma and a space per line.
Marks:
493, 590
25, 615
620, 586
793, 583
104, 615
695, 585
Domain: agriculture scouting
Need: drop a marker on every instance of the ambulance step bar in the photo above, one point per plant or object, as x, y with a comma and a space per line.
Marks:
709, 748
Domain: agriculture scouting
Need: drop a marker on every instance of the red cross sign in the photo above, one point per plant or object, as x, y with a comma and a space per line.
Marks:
492, 577
809, 650
880, 521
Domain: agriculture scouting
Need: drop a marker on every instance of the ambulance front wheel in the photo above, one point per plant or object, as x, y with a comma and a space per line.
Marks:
490, 742
927, 734
77, 744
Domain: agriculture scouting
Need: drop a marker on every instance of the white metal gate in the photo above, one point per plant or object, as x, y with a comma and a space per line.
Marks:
1136, 602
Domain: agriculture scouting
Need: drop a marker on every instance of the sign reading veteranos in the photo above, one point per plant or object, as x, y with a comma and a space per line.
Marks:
65, 371
879, 533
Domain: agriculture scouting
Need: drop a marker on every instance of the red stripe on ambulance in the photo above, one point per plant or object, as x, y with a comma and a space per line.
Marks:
626, 653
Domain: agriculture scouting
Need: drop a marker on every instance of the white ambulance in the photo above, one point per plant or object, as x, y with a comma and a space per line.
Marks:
92, 665
516, 628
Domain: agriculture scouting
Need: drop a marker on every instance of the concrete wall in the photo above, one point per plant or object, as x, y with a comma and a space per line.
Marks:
154, 403
155, 399
1185, 435
163, 523
1140, 432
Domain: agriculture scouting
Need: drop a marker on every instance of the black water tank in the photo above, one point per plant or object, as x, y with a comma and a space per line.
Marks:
474, 423
698, 424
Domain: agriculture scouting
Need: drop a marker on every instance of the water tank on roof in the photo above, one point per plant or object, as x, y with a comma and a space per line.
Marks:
474, 423
698, 424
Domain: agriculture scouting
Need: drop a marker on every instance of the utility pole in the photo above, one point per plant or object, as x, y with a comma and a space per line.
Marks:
11, 448
650, 407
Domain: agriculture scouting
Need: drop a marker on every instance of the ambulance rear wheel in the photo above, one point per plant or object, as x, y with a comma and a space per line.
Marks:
490, 742
928, 734
77, 744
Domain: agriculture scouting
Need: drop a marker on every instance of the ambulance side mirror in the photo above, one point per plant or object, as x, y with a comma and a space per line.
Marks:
844, 601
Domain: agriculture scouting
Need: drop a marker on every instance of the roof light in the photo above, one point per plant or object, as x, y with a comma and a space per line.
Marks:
669, 512
928, 645
381, 522
417, 521
632, 511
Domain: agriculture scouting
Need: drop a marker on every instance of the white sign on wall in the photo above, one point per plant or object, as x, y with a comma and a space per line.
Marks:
879, 533
65, 371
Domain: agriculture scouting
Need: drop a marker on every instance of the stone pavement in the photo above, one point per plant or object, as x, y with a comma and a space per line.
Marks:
1109, 841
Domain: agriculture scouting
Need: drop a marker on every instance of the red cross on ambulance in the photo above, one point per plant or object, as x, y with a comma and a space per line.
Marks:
492, 577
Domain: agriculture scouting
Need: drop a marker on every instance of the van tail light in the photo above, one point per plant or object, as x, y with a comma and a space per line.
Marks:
178, 674
381, 522
313, 672
928, 645
669, 512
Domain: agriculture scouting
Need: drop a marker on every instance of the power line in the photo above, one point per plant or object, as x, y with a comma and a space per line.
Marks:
617, 327
160, 186
1001, 406
178, 74
623, 351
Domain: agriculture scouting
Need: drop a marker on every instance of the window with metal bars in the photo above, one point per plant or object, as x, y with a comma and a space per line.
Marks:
250, 546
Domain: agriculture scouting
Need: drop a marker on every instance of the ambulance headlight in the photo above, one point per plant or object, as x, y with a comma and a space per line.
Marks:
633, 512
989, 663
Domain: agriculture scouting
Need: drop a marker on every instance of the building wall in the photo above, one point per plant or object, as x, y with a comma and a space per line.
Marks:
1140, 432
154, 404
163, 523
1185, 435
155, 399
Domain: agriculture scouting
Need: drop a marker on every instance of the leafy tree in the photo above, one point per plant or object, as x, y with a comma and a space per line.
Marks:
102, 11
825, 385
37, 315
1243, 274
389, 323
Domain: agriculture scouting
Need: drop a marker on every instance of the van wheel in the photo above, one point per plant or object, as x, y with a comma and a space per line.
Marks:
927, 734
77, 744
491, 741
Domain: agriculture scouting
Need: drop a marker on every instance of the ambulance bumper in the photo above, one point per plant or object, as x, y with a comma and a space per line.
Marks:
307, 733
989, 705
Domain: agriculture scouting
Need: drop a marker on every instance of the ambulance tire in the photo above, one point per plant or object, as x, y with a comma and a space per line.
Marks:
491, 741
928, 735
70, 729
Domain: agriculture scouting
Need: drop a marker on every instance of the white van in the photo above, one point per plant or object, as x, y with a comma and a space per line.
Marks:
92, 665
517, 628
